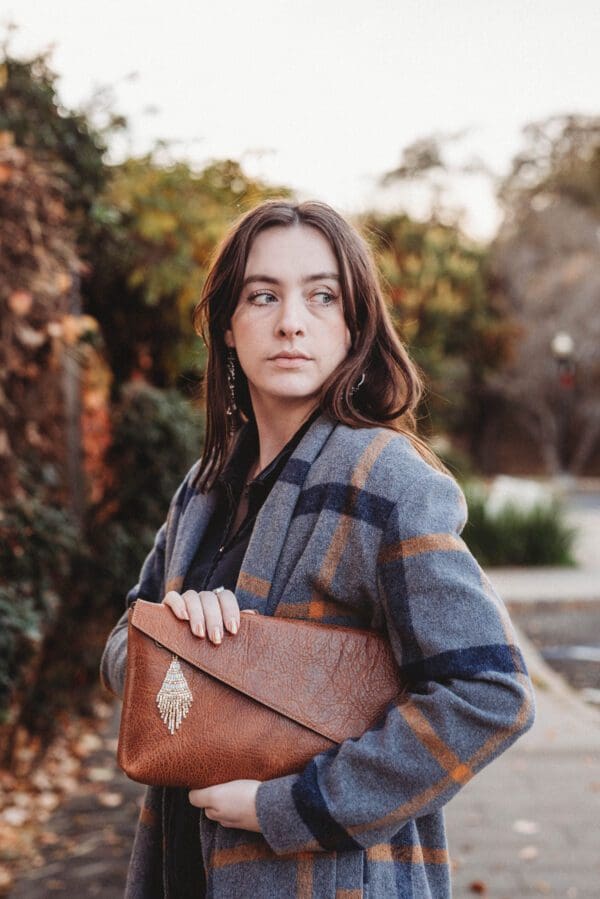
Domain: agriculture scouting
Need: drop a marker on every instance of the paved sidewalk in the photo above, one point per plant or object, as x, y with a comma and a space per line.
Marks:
526, 586
529, 824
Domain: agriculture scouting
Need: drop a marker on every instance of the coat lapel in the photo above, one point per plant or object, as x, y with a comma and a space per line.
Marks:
190, 531
257, 586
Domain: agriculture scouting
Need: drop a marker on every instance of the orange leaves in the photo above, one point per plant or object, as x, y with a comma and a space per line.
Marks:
28, 337
20, 302
76, 327
62, 281
5, 173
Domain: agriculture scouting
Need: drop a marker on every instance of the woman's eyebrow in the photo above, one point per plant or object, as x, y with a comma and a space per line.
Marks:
320, 276
268, 279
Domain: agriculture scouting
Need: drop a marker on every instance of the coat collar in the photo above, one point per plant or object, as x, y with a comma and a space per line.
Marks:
260, 582
256, 587
245, 451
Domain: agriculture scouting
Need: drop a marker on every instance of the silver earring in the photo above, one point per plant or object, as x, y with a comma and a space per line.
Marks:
231, 403
357, 386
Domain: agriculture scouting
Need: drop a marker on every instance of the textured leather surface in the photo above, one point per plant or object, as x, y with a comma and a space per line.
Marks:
265, 701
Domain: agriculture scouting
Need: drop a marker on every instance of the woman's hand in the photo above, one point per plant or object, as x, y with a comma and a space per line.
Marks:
208, 613
231, 804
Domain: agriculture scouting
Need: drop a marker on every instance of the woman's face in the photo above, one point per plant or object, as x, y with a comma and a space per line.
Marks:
288, 327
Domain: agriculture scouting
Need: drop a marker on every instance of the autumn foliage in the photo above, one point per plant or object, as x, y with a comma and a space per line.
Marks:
38, 271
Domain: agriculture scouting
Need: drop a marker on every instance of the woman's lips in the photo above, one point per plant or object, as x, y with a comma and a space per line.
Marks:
287, 362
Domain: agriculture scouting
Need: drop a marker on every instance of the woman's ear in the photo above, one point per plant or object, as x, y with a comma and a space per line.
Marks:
229, 341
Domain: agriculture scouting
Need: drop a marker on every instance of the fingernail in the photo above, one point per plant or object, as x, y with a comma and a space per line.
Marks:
216, 635
232, 626
199, 630
183, 614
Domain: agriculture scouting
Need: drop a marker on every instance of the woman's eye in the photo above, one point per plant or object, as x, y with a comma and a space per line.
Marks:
261, 297
266, 298
324, 297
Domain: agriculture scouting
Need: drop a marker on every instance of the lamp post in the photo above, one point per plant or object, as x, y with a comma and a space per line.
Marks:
563, 349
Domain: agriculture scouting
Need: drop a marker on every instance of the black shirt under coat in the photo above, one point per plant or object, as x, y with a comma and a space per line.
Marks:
217, 563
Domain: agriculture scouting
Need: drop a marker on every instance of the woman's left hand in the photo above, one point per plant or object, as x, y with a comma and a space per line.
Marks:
232, 804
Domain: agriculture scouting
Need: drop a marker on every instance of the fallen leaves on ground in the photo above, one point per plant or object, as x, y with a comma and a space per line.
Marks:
28, 797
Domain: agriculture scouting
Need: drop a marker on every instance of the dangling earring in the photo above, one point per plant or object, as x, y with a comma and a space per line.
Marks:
358, 385
231, 403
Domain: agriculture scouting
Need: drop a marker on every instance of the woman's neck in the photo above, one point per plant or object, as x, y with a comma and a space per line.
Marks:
277, 429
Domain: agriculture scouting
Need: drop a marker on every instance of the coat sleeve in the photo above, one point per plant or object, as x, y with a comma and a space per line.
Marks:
150, 586
469, 695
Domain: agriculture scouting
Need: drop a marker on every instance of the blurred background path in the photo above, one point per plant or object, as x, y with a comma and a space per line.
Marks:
91, 833
528, 825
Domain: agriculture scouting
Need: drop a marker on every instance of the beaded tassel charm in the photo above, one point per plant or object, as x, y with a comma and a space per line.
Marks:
174, 697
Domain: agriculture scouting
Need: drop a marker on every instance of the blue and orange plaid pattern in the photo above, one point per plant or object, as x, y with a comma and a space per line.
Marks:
357, 530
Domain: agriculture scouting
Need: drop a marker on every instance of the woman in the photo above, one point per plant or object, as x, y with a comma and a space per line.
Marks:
315, 499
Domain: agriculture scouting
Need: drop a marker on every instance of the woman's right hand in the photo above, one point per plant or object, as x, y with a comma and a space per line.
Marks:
208, 613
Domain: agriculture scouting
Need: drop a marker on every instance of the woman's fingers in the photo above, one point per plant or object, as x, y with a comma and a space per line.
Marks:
230, 610
209, 613
196, 612
212, 615
177, 605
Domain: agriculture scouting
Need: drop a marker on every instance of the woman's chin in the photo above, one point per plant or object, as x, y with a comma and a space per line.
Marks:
285, 394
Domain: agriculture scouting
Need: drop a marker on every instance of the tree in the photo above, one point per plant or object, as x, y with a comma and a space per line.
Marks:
427, 164
446, 311
155, 228
546, 258
144, 228
63, 139
38, 274
561, 158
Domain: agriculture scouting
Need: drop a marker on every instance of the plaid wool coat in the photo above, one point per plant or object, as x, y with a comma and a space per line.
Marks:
357, 530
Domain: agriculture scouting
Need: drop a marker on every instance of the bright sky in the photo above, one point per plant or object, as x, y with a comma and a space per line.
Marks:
321, 95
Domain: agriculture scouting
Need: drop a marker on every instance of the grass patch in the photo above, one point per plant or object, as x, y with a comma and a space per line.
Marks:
515, 536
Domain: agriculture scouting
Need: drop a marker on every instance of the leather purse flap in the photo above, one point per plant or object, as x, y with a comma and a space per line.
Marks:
337, 681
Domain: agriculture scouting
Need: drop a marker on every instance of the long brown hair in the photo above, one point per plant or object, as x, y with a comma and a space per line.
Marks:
392, 386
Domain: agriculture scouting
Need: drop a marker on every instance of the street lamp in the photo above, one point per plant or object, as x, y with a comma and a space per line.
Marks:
563, 350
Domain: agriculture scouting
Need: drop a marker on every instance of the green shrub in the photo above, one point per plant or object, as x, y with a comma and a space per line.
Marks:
37, 545
20, 632
538, 536
61, 589
157, 436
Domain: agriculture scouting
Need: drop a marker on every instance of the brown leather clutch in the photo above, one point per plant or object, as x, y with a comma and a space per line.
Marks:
258, 706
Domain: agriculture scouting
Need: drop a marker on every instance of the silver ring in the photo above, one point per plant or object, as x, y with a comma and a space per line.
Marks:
218, 589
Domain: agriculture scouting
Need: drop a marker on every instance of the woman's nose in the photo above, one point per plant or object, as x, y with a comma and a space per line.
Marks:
291, 318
